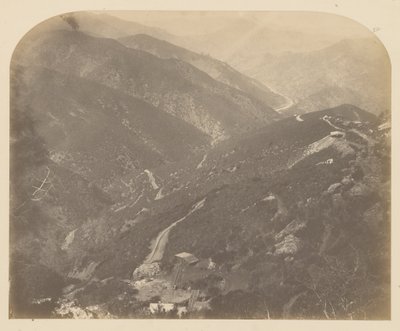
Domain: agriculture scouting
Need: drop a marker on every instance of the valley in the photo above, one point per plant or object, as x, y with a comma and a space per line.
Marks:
151, 181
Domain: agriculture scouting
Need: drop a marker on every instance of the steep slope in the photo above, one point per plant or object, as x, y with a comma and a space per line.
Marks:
47, 201
216, 69
264, 210
113, 174
355, 71
288, 239
83, 148
81, 122
171, 85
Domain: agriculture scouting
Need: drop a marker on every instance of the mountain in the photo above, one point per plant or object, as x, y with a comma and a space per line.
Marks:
84, 122
168, 84
279, 216
250, 39
218, 70
99, 25
82, 145
355, 71
313, 70
233, 35
252, 34
139, 182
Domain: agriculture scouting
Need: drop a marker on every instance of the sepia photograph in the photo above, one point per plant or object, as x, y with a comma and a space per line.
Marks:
200, 165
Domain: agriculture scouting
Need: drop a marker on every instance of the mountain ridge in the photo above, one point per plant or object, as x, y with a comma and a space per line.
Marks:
353, 71
121, 160
215, 68
176, 87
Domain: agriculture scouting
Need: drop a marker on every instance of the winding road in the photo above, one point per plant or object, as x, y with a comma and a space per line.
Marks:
288, 103
158, 247
326, 119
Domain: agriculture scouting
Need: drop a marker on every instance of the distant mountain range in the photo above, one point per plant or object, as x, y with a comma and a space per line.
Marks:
127, 150
312, 70
355, 71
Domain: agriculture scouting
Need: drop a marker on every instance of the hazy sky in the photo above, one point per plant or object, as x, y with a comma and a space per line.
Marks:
183, 23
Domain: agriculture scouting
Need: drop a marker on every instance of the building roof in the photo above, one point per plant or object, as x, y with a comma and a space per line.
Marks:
187, 257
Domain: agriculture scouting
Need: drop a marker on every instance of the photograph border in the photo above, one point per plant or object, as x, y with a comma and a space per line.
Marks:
19, 16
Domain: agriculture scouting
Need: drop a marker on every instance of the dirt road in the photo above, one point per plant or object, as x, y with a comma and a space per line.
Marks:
158, 247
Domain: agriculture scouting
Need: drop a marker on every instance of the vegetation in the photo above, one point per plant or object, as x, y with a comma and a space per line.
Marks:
290, 222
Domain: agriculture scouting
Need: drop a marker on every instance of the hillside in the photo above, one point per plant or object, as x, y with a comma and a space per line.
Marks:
150, 181
85, 122
168, 84
262, 208
313, 70
218, 70
354, 71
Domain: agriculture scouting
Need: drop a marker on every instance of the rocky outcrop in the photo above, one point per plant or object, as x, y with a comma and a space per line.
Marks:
290, 245
146, 270
334, 187
290, 229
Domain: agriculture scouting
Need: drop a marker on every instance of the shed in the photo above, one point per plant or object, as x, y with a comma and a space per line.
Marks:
187, 258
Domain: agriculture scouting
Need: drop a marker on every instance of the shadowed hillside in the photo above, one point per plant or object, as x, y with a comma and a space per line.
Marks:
170, 85
149, 181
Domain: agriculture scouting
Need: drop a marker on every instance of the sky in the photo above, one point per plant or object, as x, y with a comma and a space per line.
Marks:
189, 23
